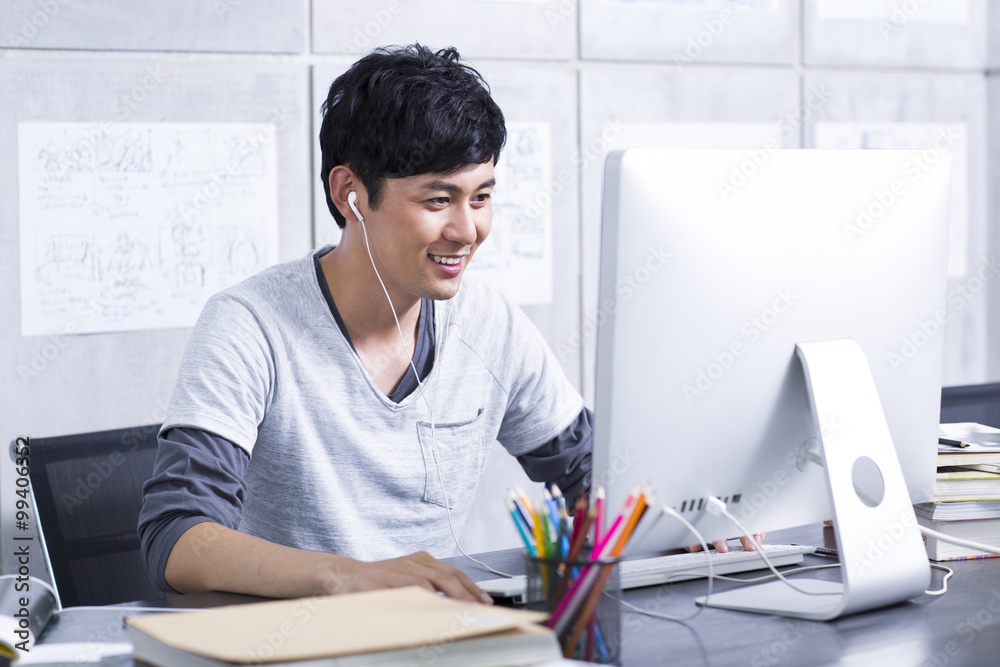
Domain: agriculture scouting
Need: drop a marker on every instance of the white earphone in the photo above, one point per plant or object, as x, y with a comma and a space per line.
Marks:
352, 197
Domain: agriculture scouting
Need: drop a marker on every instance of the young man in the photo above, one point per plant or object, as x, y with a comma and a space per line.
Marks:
333, 415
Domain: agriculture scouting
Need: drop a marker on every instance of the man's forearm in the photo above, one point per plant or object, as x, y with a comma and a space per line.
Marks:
209, 556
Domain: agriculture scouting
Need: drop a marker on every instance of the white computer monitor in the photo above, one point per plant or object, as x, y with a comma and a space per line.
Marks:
715, 265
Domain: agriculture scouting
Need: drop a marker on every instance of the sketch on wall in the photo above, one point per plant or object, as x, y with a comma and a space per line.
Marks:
517, 255
132, 226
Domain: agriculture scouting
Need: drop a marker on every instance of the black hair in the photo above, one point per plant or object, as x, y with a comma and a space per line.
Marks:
403, 111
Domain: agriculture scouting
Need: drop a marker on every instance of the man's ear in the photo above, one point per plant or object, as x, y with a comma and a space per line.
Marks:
342, 182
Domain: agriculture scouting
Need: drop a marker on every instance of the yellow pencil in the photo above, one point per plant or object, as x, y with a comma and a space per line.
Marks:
539, 535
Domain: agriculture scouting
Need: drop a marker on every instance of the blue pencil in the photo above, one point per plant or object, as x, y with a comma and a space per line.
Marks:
562, 518
521, 528
550, 503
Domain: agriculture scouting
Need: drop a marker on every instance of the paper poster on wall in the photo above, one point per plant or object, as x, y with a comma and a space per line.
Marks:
698, 135
929, 136
132, 226
758, 5
898, 12
517, 256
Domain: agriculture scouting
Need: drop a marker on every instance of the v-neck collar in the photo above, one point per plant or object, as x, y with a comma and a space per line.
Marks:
423, 353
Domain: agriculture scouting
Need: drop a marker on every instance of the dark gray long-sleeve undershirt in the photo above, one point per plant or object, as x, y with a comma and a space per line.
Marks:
199, 476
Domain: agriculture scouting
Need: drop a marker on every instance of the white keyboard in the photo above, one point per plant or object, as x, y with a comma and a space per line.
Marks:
668, 569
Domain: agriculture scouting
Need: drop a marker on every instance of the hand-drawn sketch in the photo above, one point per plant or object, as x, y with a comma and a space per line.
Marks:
128, 226
66, 257
517, 256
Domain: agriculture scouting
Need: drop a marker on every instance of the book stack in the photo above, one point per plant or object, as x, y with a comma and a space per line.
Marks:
966, 501
399, 626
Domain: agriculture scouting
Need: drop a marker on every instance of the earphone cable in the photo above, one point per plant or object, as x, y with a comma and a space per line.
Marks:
430, 407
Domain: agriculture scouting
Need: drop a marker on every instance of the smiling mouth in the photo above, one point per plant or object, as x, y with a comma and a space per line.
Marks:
448, 261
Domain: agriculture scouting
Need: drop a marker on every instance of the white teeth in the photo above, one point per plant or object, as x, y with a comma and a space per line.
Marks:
446, 260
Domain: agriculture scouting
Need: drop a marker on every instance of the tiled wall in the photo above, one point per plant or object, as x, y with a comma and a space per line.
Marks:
600, 74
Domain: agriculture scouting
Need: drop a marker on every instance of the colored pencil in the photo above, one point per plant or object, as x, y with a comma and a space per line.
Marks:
559, 498
522, 528
579, 512
599, 518
571, 601
580, 540
539, 537
524, 499
590, 606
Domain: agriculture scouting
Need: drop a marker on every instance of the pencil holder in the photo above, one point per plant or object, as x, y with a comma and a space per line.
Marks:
583, 598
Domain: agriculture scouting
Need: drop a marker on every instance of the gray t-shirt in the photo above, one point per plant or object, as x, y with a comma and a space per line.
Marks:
334, 464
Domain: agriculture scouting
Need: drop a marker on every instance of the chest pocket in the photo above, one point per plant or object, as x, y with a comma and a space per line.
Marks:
457, 453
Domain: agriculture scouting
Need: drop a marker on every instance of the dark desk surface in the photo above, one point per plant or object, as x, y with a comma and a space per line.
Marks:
960, 628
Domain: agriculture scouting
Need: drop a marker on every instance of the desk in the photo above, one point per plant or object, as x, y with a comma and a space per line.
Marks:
960, 628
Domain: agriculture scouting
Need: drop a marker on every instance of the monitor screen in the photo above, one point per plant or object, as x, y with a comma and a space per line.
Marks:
714, 265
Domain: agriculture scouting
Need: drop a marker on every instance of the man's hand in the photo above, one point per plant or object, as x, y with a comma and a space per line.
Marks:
723, 547
419, 569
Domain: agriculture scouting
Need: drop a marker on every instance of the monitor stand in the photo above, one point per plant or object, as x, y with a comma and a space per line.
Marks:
882, 554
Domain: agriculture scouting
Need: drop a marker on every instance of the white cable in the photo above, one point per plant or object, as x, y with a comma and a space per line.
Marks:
711, 574
437, 467
716, 507
399, 329
434, 453
799, 570
720, 509
770, 576
430, 407
926, 531
978, 546
948, 572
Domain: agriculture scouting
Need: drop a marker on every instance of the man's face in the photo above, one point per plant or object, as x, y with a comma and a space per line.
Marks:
427, 228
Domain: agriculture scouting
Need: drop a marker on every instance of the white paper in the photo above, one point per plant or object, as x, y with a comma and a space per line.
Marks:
131, 226
696, 135
758, 5
974, 433
943, 136
898, 12
517, 255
